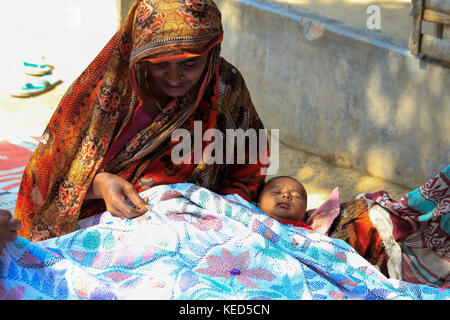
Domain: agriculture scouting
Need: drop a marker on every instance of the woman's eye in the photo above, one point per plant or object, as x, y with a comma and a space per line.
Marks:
189, 64
159, 65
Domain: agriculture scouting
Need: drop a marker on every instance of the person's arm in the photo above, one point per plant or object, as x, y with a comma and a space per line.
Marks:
8, 228
114, 190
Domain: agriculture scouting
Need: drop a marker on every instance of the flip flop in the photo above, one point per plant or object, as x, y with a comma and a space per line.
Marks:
37, 87
37, 68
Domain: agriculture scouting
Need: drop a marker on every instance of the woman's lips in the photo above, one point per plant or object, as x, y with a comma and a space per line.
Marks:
174, 88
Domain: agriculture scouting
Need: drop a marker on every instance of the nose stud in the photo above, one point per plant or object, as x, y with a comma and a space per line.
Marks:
182, 77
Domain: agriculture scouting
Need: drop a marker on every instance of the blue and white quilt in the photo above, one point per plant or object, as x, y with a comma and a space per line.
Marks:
195, 244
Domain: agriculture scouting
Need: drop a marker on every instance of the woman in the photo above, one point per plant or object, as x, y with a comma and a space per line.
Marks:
110, 136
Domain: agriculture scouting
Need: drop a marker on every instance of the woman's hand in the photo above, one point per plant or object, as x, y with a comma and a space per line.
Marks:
115, 190
8, 228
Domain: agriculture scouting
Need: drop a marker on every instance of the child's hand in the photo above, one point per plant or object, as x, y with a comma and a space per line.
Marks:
8, 228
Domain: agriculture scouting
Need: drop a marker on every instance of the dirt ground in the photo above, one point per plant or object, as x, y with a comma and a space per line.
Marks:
28, 117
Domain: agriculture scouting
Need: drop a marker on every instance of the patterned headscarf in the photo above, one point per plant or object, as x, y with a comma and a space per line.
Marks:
102, 103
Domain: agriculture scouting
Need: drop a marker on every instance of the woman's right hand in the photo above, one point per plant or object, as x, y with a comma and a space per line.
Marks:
115, 190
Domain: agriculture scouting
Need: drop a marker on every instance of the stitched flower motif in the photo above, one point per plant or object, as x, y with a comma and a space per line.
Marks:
229, 266
292, 291
15, 293
171, 194
207, 222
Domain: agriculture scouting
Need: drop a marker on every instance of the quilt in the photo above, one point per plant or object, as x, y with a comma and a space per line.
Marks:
195, 245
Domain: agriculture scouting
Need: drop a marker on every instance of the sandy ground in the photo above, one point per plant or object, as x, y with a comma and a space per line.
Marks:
68, 52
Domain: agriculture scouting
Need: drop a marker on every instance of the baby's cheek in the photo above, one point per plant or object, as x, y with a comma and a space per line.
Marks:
266, 205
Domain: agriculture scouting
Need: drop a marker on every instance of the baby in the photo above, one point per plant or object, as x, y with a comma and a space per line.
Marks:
8, 228
284, 199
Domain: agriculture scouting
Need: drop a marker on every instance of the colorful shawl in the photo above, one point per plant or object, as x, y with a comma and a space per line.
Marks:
420, 224
195, 244
407, 239
100, 105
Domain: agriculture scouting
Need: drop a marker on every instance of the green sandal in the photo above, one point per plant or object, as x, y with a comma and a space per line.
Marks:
37, 87
37, 67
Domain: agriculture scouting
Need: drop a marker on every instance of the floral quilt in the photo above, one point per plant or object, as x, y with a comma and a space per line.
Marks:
195, 244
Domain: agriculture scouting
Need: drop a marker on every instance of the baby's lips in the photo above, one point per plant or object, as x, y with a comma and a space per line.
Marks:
284, 205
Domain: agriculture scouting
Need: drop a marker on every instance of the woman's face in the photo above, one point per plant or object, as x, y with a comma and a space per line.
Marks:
175, 78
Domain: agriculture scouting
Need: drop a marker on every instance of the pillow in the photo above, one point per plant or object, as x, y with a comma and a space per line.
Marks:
320, 219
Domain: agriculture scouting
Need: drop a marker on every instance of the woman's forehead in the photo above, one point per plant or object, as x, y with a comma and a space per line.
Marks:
175, 61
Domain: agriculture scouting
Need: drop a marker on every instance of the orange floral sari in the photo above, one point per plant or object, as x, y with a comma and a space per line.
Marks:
100, 107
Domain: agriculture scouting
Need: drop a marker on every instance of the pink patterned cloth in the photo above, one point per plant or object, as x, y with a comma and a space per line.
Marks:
321, 219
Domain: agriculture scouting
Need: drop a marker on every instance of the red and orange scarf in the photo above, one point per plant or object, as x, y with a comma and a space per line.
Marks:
100, 105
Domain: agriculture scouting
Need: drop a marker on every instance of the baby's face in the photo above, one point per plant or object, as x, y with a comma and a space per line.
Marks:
284, 199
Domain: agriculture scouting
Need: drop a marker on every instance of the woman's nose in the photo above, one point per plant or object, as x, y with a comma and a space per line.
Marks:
173, 75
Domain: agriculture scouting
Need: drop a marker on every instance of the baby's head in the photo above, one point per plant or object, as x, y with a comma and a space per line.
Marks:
284, 199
